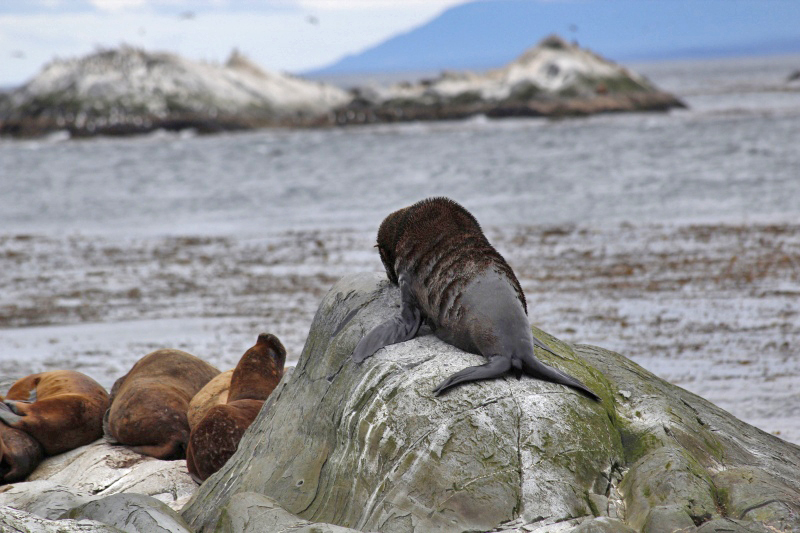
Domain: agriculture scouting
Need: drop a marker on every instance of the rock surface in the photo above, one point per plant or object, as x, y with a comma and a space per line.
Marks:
133, 513
369, 447
128, 90
15, 521
93, 472
248, 512
554, 78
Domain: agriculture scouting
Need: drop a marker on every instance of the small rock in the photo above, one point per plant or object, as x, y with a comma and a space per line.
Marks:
132, 513
90, 472
16, 521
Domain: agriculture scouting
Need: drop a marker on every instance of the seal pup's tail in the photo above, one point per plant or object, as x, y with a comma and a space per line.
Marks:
533, 367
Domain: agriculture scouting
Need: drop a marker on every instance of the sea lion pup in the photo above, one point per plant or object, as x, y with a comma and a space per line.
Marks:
450, 276
215, 392
149, 403
61, 409
20, 454
215, 438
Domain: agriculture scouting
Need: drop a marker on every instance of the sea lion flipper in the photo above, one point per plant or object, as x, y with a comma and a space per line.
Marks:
8, 416
397, 329
497, 366
543, 346
534, 367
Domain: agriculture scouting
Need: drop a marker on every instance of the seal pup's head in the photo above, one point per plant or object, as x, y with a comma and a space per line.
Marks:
423, 220
259, 370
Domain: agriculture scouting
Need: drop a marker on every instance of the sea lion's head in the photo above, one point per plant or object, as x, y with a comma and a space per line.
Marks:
388, 235
275, 348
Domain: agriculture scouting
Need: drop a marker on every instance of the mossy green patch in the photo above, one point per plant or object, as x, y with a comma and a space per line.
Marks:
637, 445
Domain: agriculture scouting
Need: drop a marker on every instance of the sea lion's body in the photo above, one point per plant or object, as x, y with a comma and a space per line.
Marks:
213, 393
149, 403
20, 454
451, 277
61, 409
216, 437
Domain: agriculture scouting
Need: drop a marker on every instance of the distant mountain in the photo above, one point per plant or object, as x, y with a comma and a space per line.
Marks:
489, 33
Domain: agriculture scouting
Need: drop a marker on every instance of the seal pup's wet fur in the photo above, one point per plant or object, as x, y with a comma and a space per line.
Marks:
216, 437
20, 454
451, 277
149, 403
61, 409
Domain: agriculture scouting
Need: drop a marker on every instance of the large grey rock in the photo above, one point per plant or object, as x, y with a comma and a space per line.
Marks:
248, 512
132, 513
16, 521
369, 447
94, 471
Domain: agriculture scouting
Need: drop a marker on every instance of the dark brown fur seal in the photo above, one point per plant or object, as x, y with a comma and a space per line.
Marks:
20, 454
450, 276
149, 403
215, 438
61, 409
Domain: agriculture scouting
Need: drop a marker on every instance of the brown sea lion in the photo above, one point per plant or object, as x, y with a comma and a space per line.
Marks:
453, 278
215, 438
61, 409
215, 392
149, 403
20, 454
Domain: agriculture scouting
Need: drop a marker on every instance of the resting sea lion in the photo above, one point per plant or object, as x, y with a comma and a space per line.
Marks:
149, 403
20, 454
61, 409
215, 392
215, 438
450, 276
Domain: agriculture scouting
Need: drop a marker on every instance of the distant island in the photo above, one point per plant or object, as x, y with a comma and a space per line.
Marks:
129, 90
552, 79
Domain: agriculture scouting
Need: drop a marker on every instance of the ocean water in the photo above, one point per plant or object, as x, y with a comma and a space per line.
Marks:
732, 156
681, 228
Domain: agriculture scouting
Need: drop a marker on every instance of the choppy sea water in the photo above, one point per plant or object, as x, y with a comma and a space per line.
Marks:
680, 230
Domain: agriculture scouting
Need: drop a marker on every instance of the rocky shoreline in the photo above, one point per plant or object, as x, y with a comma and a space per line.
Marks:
129, 91
340, 447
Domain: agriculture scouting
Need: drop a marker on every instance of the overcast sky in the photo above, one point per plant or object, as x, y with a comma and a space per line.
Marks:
287, 35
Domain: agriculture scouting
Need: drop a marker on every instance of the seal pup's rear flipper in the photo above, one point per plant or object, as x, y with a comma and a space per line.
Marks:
534, 367
396, 329
543, 346
497, 366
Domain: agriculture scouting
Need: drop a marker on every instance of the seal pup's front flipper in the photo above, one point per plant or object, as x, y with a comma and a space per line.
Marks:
497, 366
7, 415
396, 329
534, 367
